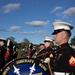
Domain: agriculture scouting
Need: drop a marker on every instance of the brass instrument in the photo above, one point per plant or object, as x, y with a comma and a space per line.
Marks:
36, 53
43, 54
46, 60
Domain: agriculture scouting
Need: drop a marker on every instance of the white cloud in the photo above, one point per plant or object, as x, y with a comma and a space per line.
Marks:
31, 33
10, 7
14, 28
37, 23
69, 12
55, 9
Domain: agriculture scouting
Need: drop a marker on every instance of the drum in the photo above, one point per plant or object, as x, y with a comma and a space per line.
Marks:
25, 66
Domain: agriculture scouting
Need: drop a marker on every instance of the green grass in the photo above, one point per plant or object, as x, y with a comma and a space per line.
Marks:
19, 54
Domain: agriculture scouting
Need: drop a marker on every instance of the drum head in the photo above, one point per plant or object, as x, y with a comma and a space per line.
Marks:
25, 66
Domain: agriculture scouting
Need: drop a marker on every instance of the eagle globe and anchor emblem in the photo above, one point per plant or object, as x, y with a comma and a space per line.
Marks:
25, 66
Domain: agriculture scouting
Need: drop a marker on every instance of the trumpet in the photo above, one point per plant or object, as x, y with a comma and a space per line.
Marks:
36, 53
43, 54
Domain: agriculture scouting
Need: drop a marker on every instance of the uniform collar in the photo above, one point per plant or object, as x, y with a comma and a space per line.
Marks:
63, 45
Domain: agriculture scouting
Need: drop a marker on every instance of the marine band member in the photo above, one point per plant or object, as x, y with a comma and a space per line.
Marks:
64, 59
2, 52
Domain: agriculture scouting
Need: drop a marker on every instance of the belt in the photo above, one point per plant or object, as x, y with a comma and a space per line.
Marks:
61, 73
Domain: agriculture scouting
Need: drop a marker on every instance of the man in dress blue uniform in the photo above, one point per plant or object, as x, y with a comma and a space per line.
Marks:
2, 52
64, 57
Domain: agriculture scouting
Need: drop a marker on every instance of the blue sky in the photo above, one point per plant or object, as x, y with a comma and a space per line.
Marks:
32, 19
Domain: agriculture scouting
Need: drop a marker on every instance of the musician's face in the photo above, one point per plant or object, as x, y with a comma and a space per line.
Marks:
41, 46
1, 43
46, 44
59, 37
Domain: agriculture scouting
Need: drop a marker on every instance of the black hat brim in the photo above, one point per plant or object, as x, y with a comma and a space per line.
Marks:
57, 31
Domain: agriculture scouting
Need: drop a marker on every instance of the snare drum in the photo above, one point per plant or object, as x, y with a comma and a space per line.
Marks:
25, 66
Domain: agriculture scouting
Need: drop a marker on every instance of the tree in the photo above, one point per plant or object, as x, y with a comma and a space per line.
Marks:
24, 43
25, 40
12, 39
73, 41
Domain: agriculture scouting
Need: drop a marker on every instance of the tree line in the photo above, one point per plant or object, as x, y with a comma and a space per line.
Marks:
22, 44
25, 42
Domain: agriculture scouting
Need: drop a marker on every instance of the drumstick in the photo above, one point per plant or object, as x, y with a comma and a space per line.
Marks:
50, 68
47, 60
